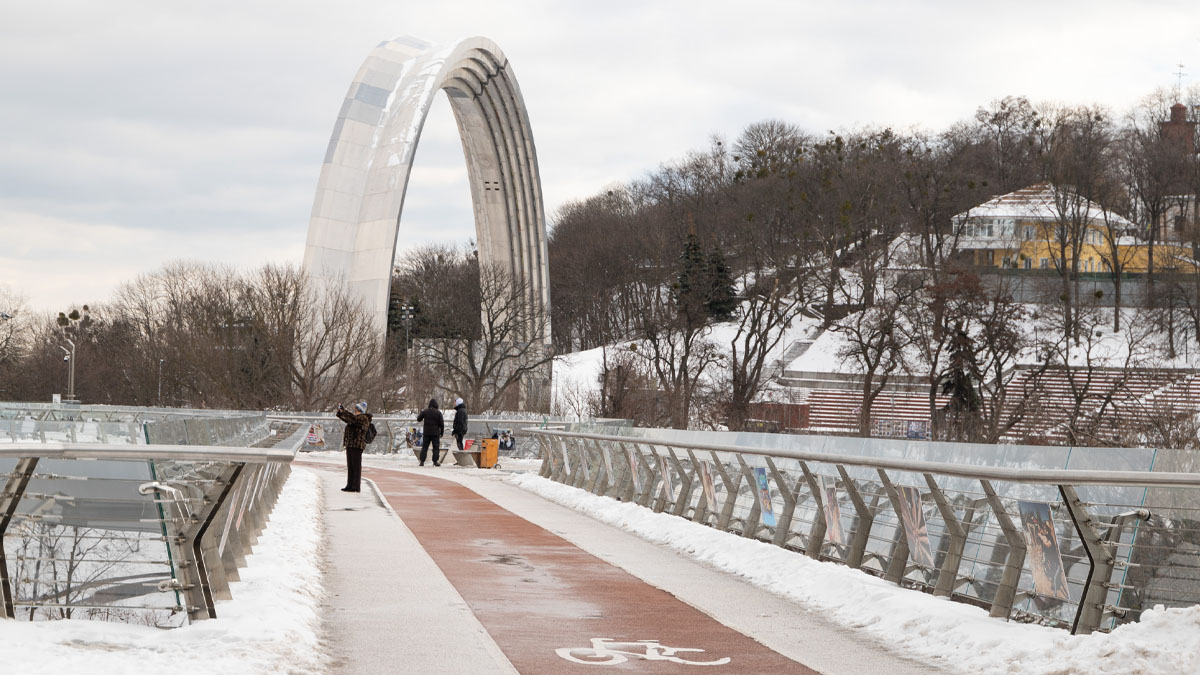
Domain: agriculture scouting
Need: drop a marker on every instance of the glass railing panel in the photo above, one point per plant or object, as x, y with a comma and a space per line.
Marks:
86, 544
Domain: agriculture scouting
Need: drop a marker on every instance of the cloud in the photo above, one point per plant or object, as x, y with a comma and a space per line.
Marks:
152, 131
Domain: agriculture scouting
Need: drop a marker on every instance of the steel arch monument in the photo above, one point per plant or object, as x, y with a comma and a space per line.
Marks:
355, 220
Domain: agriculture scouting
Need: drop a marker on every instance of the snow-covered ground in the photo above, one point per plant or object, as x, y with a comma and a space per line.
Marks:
919, 625
271, 625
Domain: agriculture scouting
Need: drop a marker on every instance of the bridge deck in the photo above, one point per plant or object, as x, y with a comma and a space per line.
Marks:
476, 575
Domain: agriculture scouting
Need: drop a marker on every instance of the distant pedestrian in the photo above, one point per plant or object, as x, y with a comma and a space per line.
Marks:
460, 422
435, 426
354, 439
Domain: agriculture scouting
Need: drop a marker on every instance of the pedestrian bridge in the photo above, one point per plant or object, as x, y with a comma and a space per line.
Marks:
467, 570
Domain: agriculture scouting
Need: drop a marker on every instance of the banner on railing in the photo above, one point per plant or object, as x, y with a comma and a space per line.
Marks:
914, 526
706, 481
833, 516
1045, 558
764, 497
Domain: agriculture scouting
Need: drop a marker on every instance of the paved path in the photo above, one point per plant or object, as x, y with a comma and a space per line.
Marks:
388, 608
504, 577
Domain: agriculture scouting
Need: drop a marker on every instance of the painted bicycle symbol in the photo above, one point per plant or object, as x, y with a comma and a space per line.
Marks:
606, 652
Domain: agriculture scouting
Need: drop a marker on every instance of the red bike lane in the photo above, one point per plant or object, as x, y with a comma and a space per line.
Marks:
548, 604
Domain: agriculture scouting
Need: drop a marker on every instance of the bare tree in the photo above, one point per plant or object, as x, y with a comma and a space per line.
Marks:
338, 357
875, 340
506, 353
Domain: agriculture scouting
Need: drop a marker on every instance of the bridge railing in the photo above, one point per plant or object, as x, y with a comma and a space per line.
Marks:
394, 430
987, 525
146, 533
44, 422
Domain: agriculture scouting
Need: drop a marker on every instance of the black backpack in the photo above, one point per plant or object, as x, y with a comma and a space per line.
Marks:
371, 432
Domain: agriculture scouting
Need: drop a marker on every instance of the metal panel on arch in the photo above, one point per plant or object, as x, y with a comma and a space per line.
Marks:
356, 214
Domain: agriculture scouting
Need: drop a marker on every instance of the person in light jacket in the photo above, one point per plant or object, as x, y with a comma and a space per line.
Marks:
435, 426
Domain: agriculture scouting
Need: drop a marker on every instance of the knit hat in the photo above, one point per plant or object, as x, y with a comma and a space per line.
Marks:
361, 406
458, 402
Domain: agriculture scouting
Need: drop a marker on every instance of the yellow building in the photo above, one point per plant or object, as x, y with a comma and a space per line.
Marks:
1037, 228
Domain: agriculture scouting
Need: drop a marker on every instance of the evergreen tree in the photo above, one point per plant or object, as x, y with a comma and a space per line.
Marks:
958, 381
722, 302
962, 412
691, 288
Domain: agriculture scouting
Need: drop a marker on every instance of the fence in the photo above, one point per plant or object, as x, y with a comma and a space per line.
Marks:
125, 528
1084, 538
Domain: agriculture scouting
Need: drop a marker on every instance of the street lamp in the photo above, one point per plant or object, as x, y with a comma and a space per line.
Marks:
160, 365
407, 312
70, 359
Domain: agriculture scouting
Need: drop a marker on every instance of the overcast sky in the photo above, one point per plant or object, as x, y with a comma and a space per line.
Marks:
135, 133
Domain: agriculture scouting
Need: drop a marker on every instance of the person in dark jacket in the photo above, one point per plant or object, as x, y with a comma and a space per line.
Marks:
354, 439
435, 426
460, 422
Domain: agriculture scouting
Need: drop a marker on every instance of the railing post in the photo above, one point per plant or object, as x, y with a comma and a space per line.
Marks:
685, 485
700, 513
783, 520
948, 573
750, 524
562, 463
582, 471
197, 588
898, 561
865, 519
731, 492
600, 486
816, 532
14, 487
649, 476
1102, 558
632, 487
543, 441
1002, 602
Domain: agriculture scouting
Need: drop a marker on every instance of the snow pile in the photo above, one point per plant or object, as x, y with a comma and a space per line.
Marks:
951, 634
270, 626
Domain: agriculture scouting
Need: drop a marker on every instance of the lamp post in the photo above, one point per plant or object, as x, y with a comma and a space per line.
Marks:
70, 359
160, 365
407, 311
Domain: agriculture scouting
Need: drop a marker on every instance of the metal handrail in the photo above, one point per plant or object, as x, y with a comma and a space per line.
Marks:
972, 471
127, 451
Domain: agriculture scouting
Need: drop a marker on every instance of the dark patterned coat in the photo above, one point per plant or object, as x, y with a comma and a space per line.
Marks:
355, 436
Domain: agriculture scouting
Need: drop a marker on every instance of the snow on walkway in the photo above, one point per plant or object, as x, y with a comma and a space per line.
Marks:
918, 624
270, 626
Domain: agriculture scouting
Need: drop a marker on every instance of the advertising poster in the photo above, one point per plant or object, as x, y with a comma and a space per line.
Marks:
764, 496
833, 515
710, 493
914, 526
633, 470
667, 486
1045, 559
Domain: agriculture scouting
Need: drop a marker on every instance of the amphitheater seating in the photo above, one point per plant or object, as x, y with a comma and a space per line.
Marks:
1040, 404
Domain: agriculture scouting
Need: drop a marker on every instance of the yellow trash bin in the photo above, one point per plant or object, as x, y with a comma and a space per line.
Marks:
489, 453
